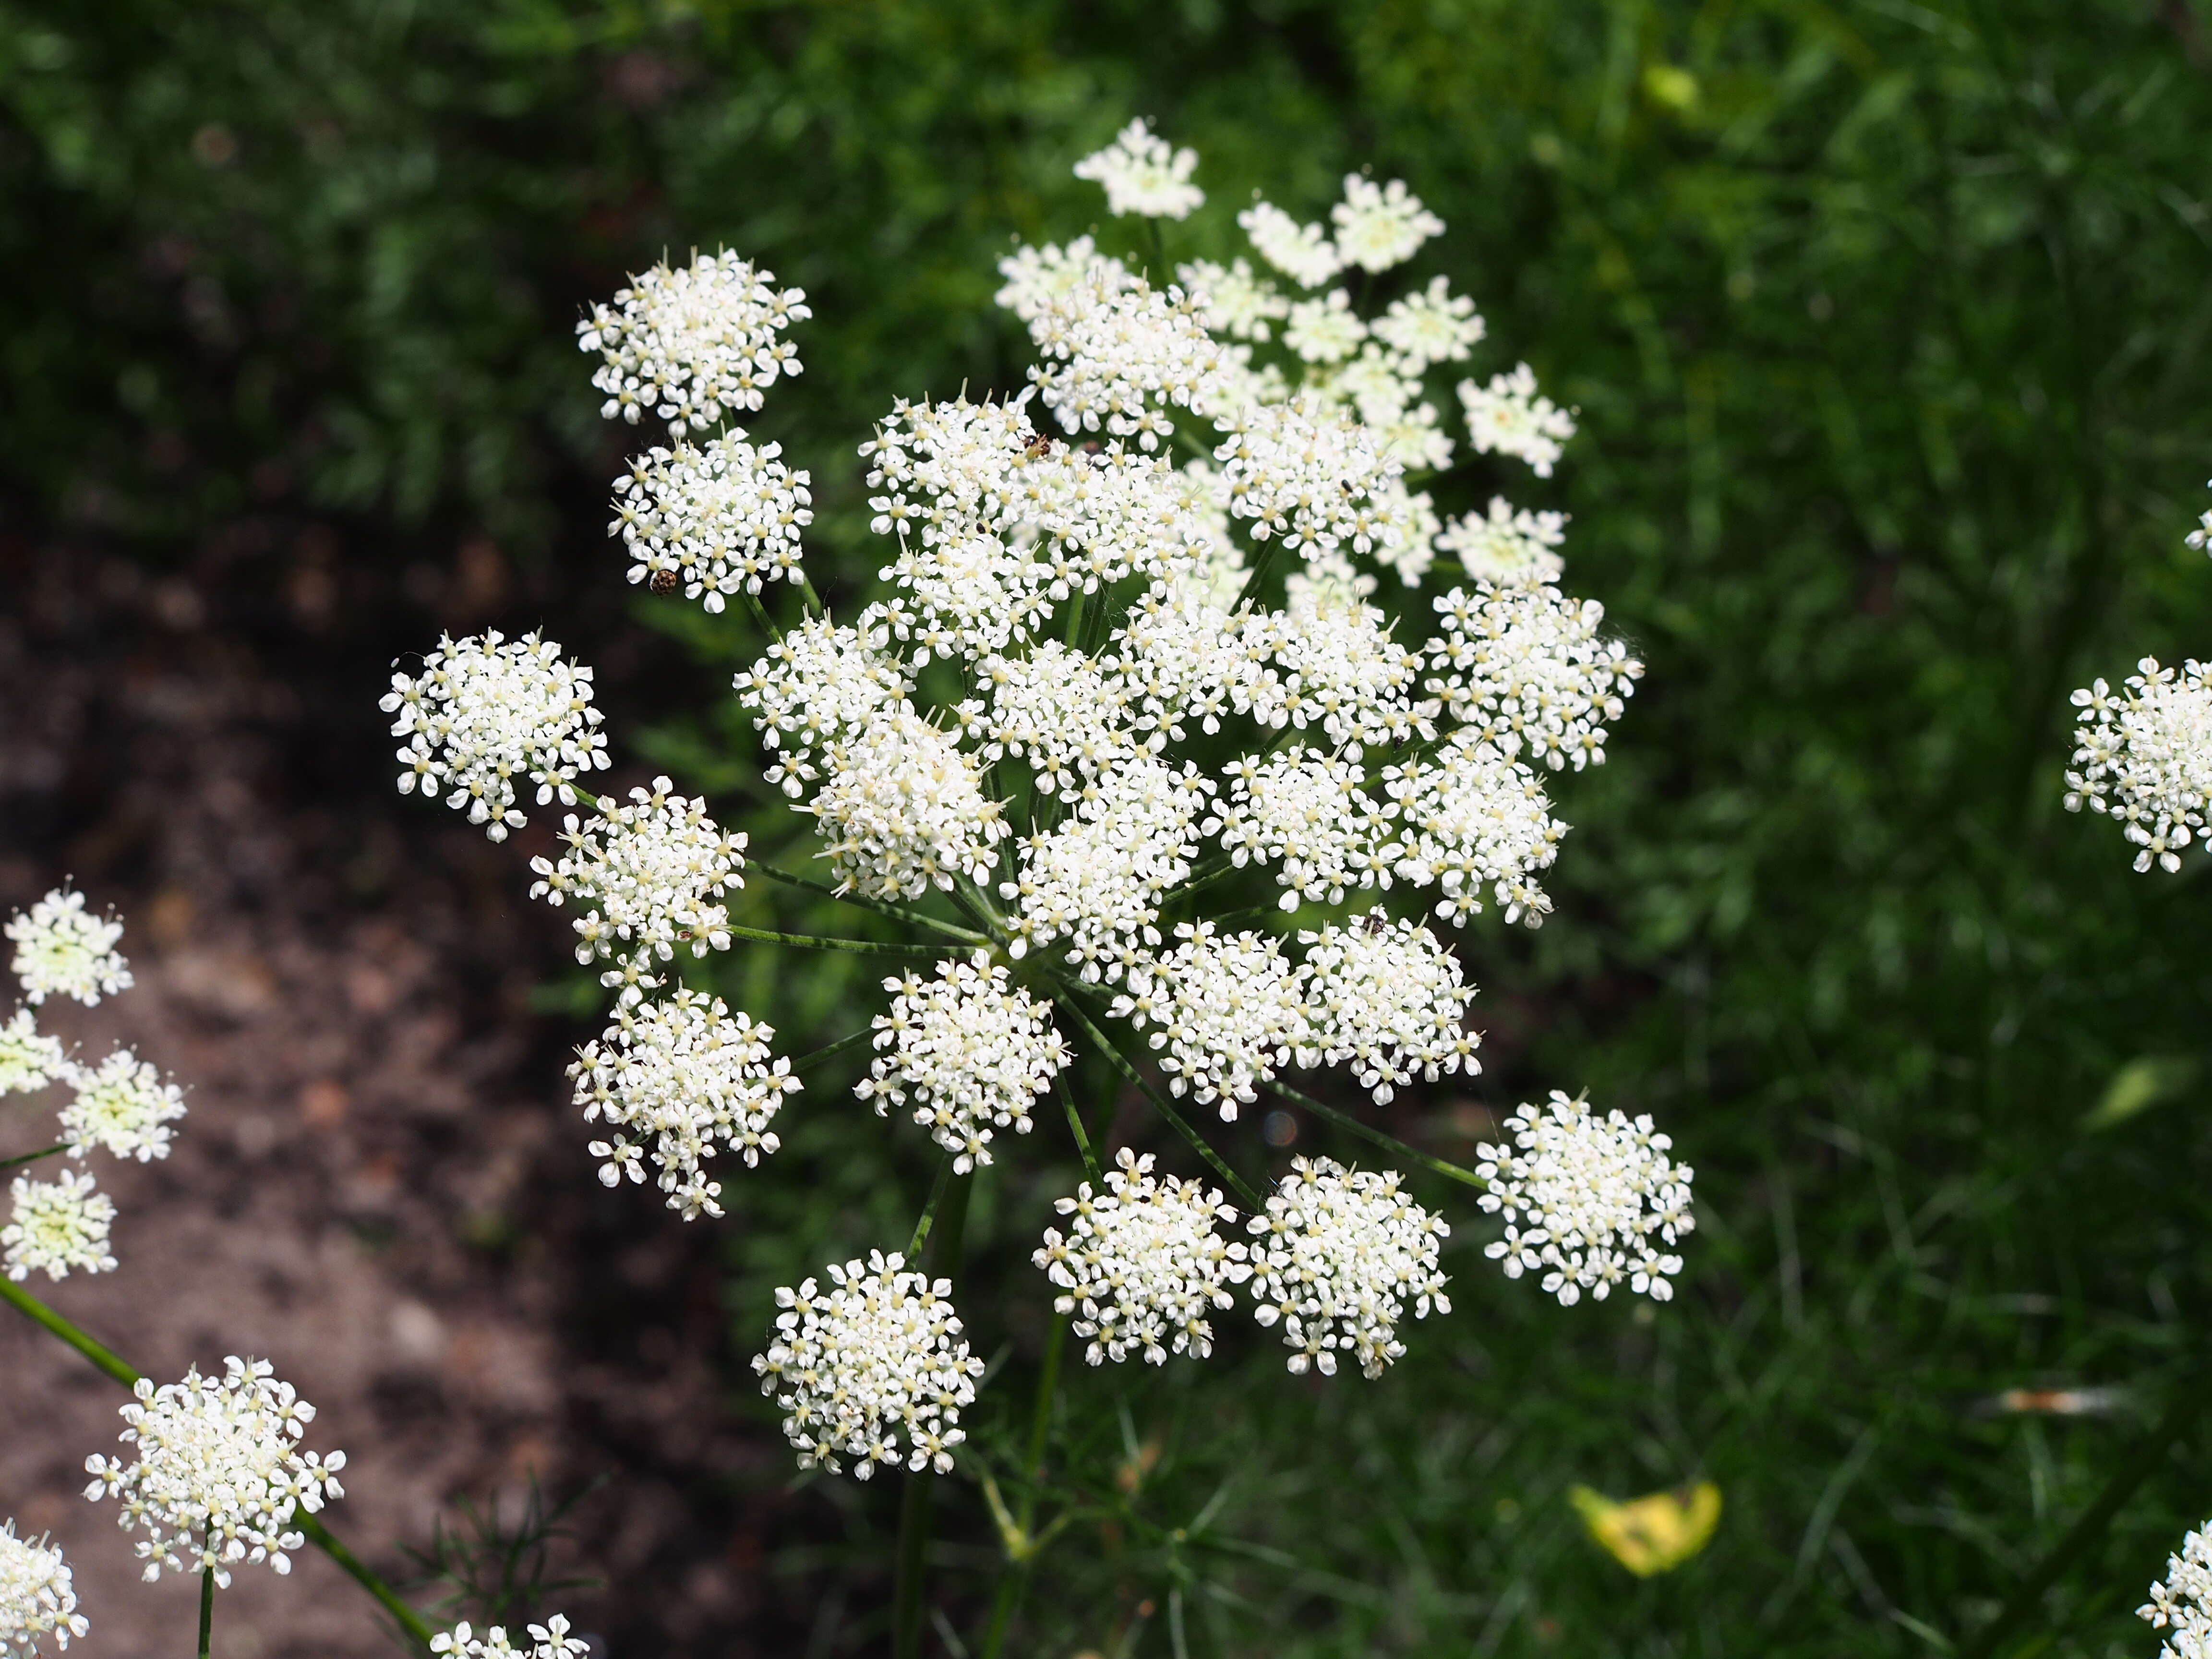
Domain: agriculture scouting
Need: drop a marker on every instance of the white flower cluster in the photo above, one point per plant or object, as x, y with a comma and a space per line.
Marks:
1142, 174
123, 1107
218, 1475
871, 1370
902, 809
1222, 1012
816, 685
1525, 668
1387, 997
649, 877
1507, 546
549, 1640
30, 1059
1509, 417
2144, 757
974, 1050
2181, 1603
718, 519
1141, 1264
64, 950
693, 344
1337, 1255
1588, 1202
37, 1596
486, 710
56, 1225
677, 1081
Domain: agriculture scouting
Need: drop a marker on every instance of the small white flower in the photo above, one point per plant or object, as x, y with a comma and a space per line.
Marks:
2181, 1603
693, 344
975, 1050
1337, 1255
123, 1106
30, 1059
872, 1371
1379, 225
1588, 1202
218, 1477
1141, 1264
37, 1598
549, 1640
1301, 252
56, 1225
1510, 417
487, 710
678, 1080
2144, 757
1143, 174
62, 949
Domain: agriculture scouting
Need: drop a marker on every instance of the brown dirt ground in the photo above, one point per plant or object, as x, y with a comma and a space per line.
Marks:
379, 1186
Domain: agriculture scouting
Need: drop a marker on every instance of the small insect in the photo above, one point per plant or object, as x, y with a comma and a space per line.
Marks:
1038, 446
663, 582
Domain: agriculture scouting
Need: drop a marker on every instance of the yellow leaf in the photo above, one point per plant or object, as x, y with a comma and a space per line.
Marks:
1653, 1534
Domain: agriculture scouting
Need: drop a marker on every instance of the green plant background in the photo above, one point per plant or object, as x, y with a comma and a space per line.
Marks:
1888, 325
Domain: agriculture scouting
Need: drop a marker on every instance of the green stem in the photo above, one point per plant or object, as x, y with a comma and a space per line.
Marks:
814, 605
207, 1607
1243, 1188
948, 929
1267, 557
1015, 1579
867, 947
1391, 1143
760, 615
929, 1213
915, 1502
33, 1157
2147, 1453
316, 1533
1075, 1123
823, 1055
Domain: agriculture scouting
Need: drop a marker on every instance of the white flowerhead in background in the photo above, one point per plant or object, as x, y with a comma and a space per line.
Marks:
693, 344
1505, 546
37, 1598
718, 519
549, 1640
1510, 417
974, 1050
1235, 301
1143, 1268
30, 1059
678, 1081
1042, 280
1336, 1257
486, 710
871, 1370
217, 1477
1588, 1203
2144, 756
2181, 1603
1379, 225
1325, 330
649, 876
1301, 252
1142, 173
56, 1225
122, 1106
62, 949
1429, 325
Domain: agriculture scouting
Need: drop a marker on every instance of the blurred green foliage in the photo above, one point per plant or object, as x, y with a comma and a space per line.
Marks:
1887, 324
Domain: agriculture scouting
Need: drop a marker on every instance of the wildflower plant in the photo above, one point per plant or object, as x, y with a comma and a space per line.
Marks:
1165, 739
